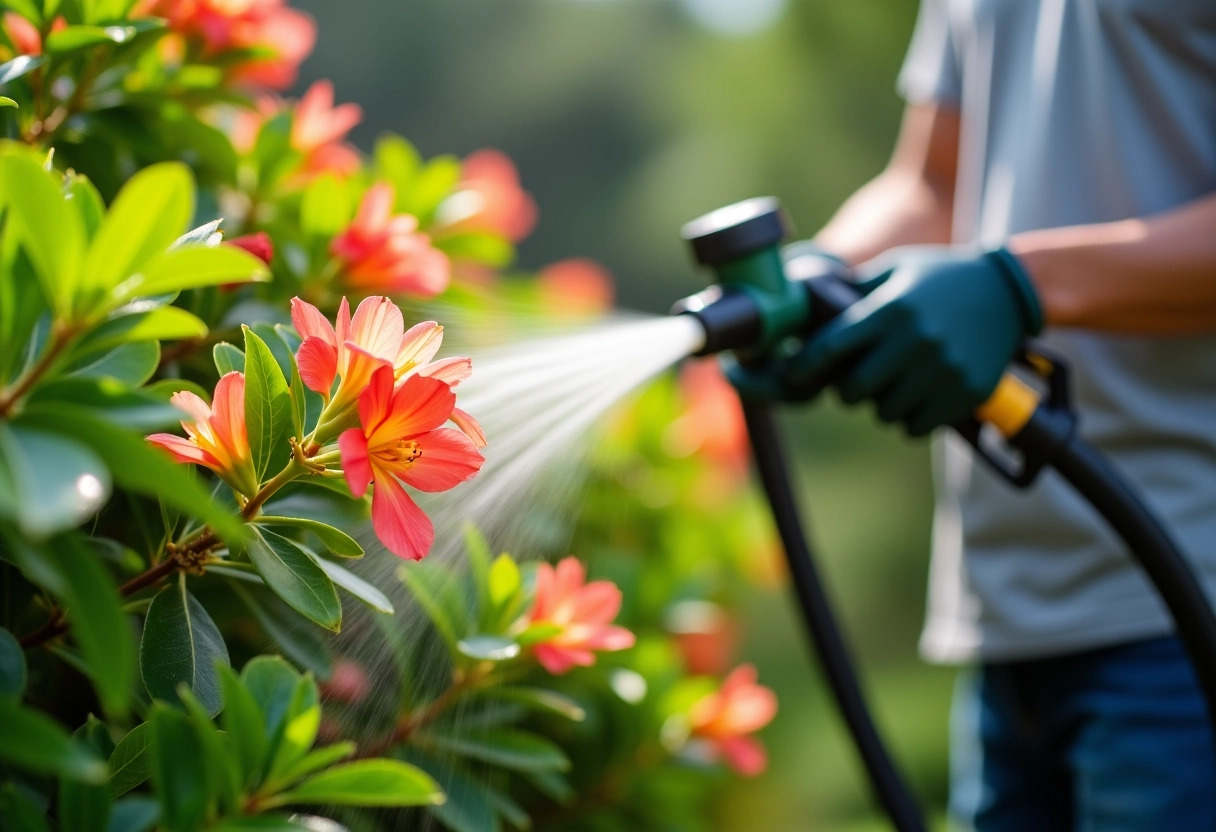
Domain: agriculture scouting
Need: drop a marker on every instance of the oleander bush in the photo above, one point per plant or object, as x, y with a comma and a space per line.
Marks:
221, 390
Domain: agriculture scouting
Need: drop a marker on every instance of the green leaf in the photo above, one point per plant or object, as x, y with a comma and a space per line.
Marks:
83, 196
181, 645
539, 699
131, 364
468, 807
179, 771
302, 644
12, 667
159, 323
268, 823
326, 207
479, 568
299, 400
245, 726
72, 38
478, 247
61, 482
228, 359
356, 586
131, 762
298, 732
223, 780
19, 812
109, 399
83, 807
139, 467
295, 577
397, 160
505, 585
434, 182
34, 741
507, 747
271, 682
268, 406
134, 814
489, 648
336, 542
366, 783
194, 267
433, 589
316, 760
50, 229
509, 809
97, 622
5, 101
20, 65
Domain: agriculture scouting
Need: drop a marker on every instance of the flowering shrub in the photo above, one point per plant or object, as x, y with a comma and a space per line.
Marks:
195, 427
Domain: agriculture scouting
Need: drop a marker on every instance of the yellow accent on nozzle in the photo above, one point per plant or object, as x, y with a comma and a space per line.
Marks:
1010, 406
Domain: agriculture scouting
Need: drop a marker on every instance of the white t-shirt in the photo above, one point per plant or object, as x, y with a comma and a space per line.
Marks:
1074, 111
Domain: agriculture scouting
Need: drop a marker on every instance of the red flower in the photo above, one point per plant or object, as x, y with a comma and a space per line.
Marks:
726, 718
259, 245
583, 612
382, 251
577, 287
400, 441
489, 198
713, 421
318, 129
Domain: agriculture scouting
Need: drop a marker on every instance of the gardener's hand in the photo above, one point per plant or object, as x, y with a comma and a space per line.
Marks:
929, 344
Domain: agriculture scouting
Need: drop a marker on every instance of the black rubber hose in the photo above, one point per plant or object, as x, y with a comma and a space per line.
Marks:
891, 790
1094, 478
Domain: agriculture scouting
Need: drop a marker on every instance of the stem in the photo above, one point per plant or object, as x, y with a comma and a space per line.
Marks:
59, 342
292, 471
462, 683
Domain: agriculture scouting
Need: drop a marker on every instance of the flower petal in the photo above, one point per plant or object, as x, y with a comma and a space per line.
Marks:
744, 754
355, 461
448, 459
597, 603
402, 527
375, 400
199, 410
450, 371
419, 405
318, 362
183, 450
469, 426
610, 638
559, 660
378, 327
419, 345
309, 322
228, 415
546, 592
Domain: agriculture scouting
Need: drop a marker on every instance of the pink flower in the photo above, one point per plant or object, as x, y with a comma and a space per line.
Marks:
583, 612
400, 441
216, 434
576, 287
489, 198
383, 251
318, 129
712, 422
23, 34
258, 244
256, 25
726, 718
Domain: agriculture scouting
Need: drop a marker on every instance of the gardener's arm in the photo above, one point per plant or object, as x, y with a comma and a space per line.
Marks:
912, 200
1149, 276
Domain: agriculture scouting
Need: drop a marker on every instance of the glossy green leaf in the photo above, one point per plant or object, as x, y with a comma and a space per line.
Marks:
477, 247
179, 771
83, 807
160, 323
300, 400
489, 648
5, 101
131, 364
295, 577
468, 807
245, 726
336, 542
326, 208
223, 781
316, 760
83, 196
505, 585
32, 740
96, 620
136, 813
139, 467
19, 812
268, 823
303, 645
12, 667
194, 267
71, 38
228, 358
51, 230
18, 66
131, 762
268, 407
272, 683
356, 586
480, 557
298, 731
507, 747
434, 181
433, 589
366, 783
182, 645
110, 400
207, 234
96, 735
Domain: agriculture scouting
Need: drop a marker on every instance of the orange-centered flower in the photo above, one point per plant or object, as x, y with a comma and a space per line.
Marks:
584, 613
384, 251
217, 436
400, 441
726, 719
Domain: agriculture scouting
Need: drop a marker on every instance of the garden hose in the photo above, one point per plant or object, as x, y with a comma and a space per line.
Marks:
764, 298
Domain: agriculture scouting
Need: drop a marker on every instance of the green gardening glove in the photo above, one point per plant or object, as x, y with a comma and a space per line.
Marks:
929, 344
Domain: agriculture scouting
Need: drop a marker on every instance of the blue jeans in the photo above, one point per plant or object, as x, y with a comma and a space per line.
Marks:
1109, 740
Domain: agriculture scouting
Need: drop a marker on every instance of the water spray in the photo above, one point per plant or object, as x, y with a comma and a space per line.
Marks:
764, 296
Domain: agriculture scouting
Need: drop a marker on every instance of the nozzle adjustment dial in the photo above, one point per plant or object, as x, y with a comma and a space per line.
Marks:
737, 230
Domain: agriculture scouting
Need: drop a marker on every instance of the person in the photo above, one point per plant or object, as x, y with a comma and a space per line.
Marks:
1054, 175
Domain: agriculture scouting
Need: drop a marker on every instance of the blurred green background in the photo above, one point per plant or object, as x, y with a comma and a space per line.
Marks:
626, 119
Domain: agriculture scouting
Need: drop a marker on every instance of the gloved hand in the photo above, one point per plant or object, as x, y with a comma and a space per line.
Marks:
930, 342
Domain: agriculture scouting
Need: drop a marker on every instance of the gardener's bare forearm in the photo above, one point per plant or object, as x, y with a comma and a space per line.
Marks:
1150, 276
911, 201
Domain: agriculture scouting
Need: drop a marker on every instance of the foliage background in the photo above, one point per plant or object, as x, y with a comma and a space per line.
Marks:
627, 118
